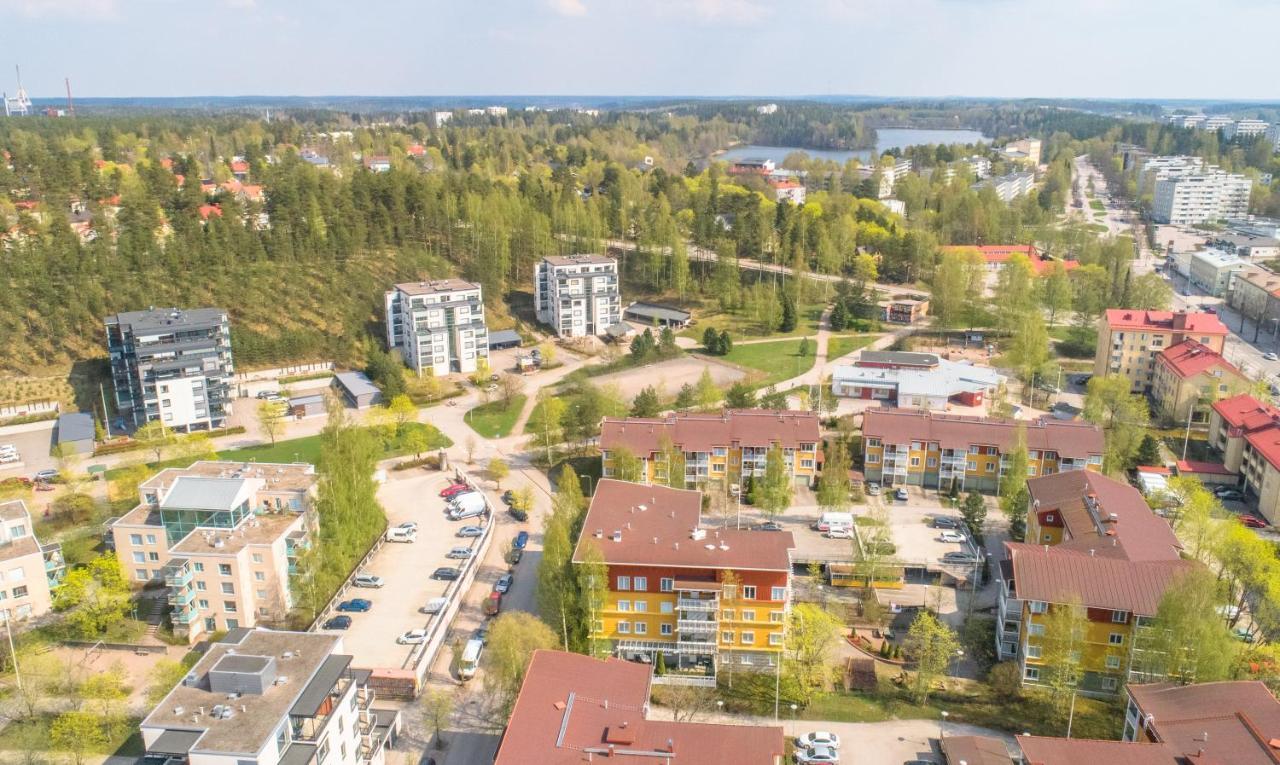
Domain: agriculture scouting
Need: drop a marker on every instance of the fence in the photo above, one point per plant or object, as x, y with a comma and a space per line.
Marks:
27, 408
289, 371
134, 647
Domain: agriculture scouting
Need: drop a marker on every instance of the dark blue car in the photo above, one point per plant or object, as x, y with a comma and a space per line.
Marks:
356, 605
522, 539
338, 623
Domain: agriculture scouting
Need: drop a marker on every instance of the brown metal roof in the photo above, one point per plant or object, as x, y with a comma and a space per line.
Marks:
1075, 440
703, 432
1099, 509
1038, 750
976, 750
1231, 722
1096, 577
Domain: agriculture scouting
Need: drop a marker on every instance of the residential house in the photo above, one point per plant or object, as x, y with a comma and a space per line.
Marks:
923, 448
378, 163
223, 537
1129, 340
1246, 432
1026, 149
438, 326
997, 256
578, 295
908, 379
722, 447
701, 597
788, 190
31, 571
573, 708
259, 697
1191, 376
752, 166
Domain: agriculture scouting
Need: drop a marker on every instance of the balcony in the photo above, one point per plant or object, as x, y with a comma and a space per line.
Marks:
185, 615
694, 604
696, 646
181, 598
177, 574
695, 626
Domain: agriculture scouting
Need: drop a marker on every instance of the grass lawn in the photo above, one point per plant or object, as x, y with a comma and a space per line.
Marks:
741, 326
33, 735
495, 419
1097, 205
839, 345
776, 361
305, 449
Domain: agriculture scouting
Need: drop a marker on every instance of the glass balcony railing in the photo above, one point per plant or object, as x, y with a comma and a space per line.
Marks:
185, 615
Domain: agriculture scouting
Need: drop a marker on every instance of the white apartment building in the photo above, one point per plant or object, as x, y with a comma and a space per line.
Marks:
1217, 123
578, 295
441, 117
1201, 197
29, 571
438, 326
1211, 270
1245, 129
1159, 168
767, 109
1185, 120
1009, 187
260, 697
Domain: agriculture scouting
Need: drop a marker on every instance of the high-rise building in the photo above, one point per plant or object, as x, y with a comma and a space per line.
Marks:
172, 365
438, 326
578, 295
260, 697
1245, 129
223, 537
1200, 197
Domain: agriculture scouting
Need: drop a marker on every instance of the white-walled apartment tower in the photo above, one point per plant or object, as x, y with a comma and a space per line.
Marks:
578, 295
438, 326
1201, 197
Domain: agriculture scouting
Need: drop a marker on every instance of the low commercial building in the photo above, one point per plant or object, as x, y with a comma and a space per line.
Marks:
1247, 246
573, 709
904, 310
656, 315
921, 448
75, 432
1191, 376
1130, 339
32, 571
1255, 293
261, 697
701, 597
997, 256
725, 447
917, 380
1211, 270
438, 326
752, 166
356, 389
311, 405
1246, 432
1025, 149
223, 537
577, 295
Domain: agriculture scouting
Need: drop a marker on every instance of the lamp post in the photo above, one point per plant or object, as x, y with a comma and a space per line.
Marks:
793, 719
720, 706
942, 721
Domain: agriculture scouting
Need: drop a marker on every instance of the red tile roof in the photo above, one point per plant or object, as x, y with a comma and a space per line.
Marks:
1037, 750
239, 166
1093, 572
1096, 510
785, 184
1267, 443
1000, 253
1190, 358
646, 525
702, 432
1075, 440
416, 150
1231, 722
1165, 321
1247, 413
1203, 468
573, 708
208, 210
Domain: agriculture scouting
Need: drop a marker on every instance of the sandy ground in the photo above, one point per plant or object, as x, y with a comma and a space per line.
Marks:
137, 667
669, 376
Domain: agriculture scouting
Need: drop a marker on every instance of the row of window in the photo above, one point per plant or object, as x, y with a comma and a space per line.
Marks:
1108, 683
667, 607
667, 584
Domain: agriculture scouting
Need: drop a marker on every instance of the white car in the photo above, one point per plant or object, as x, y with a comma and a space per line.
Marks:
367, 580
409, 526
1271, 356
435, 605
818, 738
951, 536
414, 637
459, 553
819, 755
839, 532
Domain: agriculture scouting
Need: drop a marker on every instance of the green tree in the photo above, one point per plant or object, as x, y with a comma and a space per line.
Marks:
1013, 486
270, 416
974, 511
386, 370
93, 597
155, 437
740, 396
711, 341
646, 403
416, 441
806, 347
1189, 642
812, 633
513, 637
1014, 292
1055, 291
1148, 451
498, 471
593, 589
1062, 648
437, 711
667, 343
775, 487
557, 581
402, 410
834, 484
77, 733
1029, 347
1122, 415
547, 420
672, 460
708, 395
726, 342
789, 319
106, 692
625, 465
162, 678
930, 645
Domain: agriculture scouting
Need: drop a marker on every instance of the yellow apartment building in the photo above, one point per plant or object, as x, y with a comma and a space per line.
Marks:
1190, 376
1129, 340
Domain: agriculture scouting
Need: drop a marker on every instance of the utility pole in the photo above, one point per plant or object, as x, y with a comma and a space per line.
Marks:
1186, 438
106, 415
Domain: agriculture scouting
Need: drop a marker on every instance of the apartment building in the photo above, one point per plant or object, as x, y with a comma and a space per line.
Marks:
1092, 542
223, 538
1246, 432
1255, 292
1026, 149
1157, 168
1229, 722
787, 190
172, 365
1185, 120
1130, 339
1200, 197
722, 447
260, 697
29, 571
917, 380
702, 597
937, 451
1190, 376
1009, 187
1210, 269
578, 295
438, 326
1245, 129
573, 708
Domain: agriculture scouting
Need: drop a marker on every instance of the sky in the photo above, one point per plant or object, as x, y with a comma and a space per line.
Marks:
991, 48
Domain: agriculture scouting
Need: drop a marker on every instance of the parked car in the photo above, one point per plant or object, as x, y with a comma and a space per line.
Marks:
900, 494
818, 738
508, 497
481, 633
367, 580
503, 584
769, 526
873, 489
945, 522
458, 553
269, 395
959, 557
819, 755
340, 622
47, 474
1271, 356
408, 526
355, 605
951, 536
1252, 521
1242, 634
471, 531
518, 513
434, 606
522, 540
1231, 495
446, 574
839, 532
412, 637
454, 488
401, 535
515, 556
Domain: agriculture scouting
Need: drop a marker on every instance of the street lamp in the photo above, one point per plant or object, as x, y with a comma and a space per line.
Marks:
942, 721
793, 719
720, 706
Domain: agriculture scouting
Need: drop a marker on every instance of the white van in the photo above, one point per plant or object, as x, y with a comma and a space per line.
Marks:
831, 520
402, 535
470, 659
467, 506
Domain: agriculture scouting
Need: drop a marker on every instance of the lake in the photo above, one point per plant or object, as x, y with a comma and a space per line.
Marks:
886, 139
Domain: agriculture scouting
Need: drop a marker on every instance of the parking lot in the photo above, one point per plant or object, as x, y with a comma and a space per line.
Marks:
406, 569
33, 447
911, 526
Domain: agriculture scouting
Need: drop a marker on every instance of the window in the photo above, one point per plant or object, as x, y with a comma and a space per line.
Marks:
666, 607
224, 569
748, 637
135, 539
624, 583
1115, 638
154, 557
748, 615
200, 585
1038, 606
775, 638
257, 557
1048, 518
1035, 629
640, 584
642, 628
667, 584
151, 539
727, 615
1109, 683
777, 617
749, 591
1113, 662
873, 459
229, 606
665, 629
262, 594
973, 465
1120, 617
259, 576
20, 591
1032, 673
726, 636
228, 588
139, 557
778, 593
203, 603
140, 574
624, 628
199, 567
729, 592
1033, 651
624, 605
642, 606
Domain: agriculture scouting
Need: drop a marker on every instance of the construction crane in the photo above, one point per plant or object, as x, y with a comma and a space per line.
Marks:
20, 104
71, 107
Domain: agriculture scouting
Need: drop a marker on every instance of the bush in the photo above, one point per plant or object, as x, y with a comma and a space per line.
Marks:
430, 463
128, 444
1006, 679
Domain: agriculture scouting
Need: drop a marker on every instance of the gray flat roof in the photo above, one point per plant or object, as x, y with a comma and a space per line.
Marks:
201, 493
656, 311
167, 318
575, 260
239, 663
503, 336
314, 398
356, 383
898, 357
75, 426
436, 285
175, 742
322, 682
297, 754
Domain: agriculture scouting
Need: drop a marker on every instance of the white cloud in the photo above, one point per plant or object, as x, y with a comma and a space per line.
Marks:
95, 9
568, 7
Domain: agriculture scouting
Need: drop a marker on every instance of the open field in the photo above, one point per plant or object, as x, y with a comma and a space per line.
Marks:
496, 418
668, 376
776, 361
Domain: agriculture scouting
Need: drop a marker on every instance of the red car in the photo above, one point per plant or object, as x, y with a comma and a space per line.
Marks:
1252, 521
455, 488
